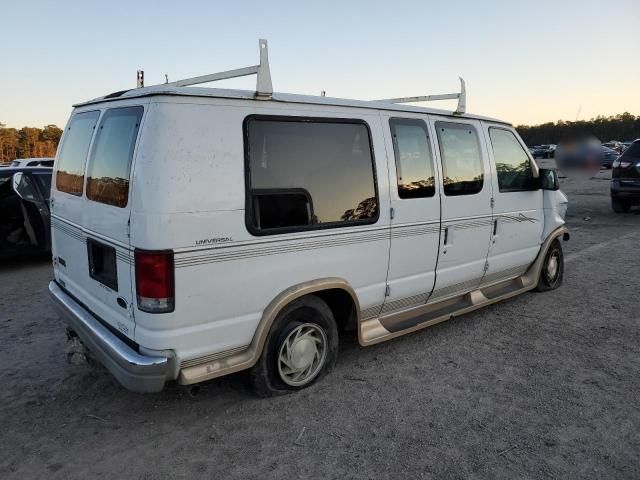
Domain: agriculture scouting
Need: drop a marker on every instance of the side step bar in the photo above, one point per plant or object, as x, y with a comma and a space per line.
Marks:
380, 329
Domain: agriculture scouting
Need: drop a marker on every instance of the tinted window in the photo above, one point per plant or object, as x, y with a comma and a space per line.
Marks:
305, 174
110, 162
512, 162
73, 152
461, 160
414, 162
44, 182
24, 186
632, 151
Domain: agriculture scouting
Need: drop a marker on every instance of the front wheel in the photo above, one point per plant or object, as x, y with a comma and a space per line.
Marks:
620, 207
552, 272
301, 347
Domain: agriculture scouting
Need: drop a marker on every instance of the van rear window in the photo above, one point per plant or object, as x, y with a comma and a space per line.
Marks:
110, 160
73, 152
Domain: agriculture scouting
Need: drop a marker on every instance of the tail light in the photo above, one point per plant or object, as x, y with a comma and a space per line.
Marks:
155, 287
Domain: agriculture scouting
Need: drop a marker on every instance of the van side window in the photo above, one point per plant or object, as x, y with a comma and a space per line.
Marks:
306, 174
110, 160
512, 162
414, 161
73, 152
461, 159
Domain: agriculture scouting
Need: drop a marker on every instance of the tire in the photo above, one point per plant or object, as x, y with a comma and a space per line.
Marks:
311, 322
552, 273
620, 207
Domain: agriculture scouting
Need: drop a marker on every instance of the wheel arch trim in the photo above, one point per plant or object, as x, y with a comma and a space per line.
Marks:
248, 357
532, 276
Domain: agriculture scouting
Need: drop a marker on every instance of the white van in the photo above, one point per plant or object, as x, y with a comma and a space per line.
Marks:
199, 232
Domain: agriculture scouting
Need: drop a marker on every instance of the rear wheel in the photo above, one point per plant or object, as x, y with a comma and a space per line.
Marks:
552, 272
301, 347
619, 206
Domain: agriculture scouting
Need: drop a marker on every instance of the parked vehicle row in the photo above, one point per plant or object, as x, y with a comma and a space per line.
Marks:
584, 154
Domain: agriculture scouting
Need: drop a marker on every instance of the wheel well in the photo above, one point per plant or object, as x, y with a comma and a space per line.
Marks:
342, 306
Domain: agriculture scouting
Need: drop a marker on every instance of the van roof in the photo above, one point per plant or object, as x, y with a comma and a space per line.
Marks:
172, 90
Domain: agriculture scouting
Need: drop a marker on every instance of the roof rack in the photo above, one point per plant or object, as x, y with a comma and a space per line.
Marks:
264, 89
462, 98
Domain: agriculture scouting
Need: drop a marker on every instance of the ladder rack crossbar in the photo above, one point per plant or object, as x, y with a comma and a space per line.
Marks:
461, 97
264, 88
423, 98
238, 72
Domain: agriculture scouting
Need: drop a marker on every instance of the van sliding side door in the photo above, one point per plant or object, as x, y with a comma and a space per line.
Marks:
467, 193
415, 222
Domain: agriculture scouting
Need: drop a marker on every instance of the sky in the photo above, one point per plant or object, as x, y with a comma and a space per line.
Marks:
526, 62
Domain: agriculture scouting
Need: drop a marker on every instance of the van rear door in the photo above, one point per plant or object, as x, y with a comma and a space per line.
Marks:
91, 212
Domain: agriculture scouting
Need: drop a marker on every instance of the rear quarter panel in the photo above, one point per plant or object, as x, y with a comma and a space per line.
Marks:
189, 196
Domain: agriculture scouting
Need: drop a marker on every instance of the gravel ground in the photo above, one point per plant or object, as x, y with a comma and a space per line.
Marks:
542, 385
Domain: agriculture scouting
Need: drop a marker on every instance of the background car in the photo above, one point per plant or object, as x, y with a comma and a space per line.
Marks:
25, 225
543, 151
625, 179
614, 145
33, 162
534, 150
607, 156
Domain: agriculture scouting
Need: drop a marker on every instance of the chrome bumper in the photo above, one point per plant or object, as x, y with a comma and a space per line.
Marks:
138, 373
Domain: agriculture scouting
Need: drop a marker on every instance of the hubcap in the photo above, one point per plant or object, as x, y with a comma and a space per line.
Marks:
302, 354
552, 267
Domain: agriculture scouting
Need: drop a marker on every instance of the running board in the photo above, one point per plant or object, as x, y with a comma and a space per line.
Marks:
387, 327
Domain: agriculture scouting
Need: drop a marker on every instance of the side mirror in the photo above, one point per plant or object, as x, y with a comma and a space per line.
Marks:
549, 179
23, 187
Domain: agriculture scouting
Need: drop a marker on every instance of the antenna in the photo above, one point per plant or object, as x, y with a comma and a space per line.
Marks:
462, 98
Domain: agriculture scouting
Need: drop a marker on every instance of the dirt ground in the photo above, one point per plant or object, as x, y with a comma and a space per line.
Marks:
545, 385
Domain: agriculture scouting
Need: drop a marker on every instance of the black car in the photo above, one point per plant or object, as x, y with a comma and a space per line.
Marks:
25, 223
625, 179
543, 151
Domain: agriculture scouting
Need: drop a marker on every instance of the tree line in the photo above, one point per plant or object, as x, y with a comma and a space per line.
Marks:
621, 127
28, 142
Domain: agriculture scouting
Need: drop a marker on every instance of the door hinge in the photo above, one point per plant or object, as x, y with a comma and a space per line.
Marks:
492, 202
129, 228
486, 267
387, 291
392, 213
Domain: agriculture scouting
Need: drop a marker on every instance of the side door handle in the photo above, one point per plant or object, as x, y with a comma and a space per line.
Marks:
446, 235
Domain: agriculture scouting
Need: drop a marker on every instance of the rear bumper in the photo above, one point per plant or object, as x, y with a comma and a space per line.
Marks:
138, 373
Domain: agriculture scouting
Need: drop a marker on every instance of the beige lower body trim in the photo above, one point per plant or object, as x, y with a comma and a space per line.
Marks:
498, 287
247, 358
371, 330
